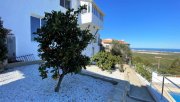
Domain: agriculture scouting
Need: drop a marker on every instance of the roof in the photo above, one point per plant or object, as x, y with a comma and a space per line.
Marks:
122, 42
108, 41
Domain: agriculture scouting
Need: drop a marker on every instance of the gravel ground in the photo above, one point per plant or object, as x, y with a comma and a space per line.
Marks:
23, 84
115, 73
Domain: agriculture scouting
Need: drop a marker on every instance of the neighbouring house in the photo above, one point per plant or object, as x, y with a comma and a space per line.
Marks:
23, 17
107, 43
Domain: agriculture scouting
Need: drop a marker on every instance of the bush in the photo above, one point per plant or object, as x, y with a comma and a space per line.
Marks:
3, 51
3, 35
144, 72
105, 60
137, 60
121, 50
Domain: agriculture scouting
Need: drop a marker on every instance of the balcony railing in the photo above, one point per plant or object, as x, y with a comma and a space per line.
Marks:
92, 15
97, 12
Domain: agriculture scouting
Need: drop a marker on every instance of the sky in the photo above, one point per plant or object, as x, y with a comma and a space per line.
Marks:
142, 23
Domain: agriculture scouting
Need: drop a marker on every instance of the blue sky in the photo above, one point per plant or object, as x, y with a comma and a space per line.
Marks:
142, 23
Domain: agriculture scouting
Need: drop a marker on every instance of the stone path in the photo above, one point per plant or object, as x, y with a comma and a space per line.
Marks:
138, 92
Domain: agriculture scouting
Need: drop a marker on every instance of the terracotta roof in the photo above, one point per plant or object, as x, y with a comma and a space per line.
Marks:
108, 41
122, 42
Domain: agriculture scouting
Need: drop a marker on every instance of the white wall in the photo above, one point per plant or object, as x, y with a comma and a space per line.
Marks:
89, 50
152, 90
16, 16
90, 17
159, 79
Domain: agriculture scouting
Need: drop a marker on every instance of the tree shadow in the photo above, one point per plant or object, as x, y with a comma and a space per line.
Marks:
29, 86
25, 84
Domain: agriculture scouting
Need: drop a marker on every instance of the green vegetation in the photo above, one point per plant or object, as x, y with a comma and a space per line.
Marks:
3, 34
167, 62
174, 68
140, 68
61, 42
106, 61
3, 48
119, 54
121, 50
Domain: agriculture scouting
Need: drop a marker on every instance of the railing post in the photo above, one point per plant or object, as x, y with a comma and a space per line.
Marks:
162, 88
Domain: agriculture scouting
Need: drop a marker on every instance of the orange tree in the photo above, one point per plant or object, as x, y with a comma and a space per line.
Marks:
61, 42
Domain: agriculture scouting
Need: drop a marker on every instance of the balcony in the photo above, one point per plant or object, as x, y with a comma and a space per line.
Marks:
92, 16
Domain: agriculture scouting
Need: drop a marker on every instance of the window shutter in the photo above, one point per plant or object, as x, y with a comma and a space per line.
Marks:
35, 24
67, 4
62, 3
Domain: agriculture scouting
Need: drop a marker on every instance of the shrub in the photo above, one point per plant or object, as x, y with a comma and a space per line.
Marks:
137, 60
105, 60
144, 72
175, 63
121, 50
3, 35
3, 47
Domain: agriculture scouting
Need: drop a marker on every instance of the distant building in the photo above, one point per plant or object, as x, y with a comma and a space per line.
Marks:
107, 43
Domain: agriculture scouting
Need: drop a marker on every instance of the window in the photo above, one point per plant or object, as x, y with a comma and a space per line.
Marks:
97, 13
93, 51
101, 17
36, 23
107, 46
84, 11
62, 3
93, 10
89, 8
43, 22
65, 3
95, 39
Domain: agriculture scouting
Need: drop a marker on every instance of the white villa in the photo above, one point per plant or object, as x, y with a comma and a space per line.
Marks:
23, 17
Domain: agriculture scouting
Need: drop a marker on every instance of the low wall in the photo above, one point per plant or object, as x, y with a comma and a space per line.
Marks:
120, 90
18, 64
152, 90
158, 79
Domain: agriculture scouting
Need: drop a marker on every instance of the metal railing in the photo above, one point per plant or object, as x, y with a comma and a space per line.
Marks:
164, 85
25, 58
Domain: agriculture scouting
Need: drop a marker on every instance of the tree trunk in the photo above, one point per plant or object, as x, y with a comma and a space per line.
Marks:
59, 83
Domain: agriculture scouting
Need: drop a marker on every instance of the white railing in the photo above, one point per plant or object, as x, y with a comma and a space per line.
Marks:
161, 86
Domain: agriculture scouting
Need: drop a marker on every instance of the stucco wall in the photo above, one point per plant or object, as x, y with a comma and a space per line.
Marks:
89, 50
152, 90
159, 79
16, 16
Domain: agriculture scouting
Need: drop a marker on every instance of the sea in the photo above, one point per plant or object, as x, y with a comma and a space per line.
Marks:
156, 50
